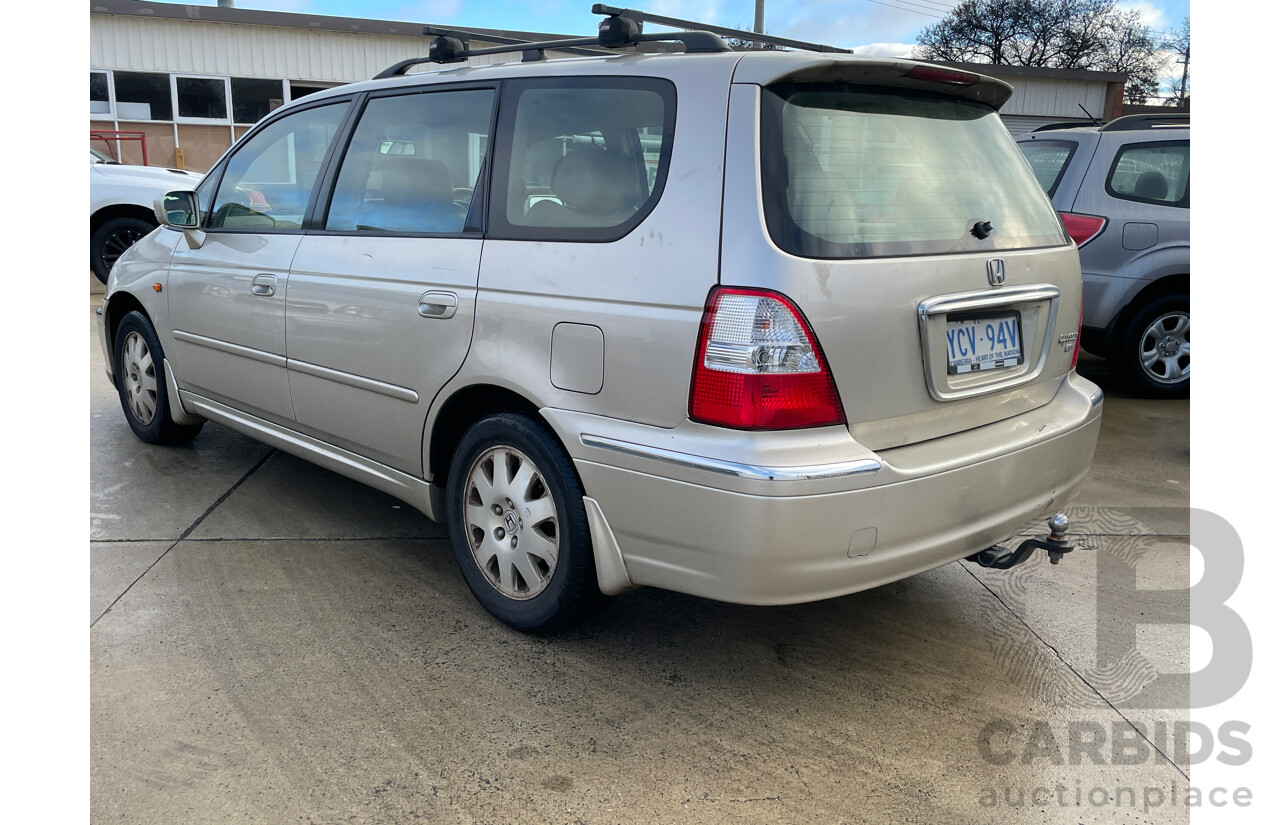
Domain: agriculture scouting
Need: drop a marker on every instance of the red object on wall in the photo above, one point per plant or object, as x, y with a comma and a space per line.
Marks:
108, 136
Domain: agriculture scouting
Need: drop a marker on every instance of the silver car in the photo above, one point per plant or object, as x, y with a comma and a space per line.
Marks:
764, 327
1124, 191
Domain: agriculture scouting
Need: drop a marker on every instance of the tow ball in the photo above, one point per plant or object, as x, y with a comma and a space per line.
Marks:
1002, 558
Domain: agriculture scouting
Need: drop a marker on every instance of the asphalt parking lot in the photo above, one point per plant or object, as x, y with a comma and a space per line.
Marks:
273, 643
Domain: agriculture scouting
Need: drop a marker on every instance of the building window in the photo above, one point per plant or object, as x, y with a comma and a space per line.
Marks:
143, 96
201, 98
99, 94
253, 98
302, 88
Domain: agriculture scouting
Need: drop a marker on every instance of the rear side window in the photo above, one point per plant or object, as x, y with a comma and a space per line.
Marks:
1157, 173
413, 163
1048, 159
584, 159
858, 171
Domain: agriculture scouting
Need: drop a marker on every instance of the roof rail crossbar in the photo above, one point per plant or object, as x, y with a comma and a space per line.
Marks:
739, 34
616, 32
1134, 123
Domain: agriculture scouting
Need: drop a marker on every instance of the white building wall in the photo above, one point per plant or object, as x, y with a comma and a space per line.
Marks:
1055, 98
202, 47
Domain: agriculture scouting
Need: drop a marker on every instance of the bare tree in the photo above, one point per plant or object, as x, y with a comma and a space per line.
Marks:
1179, 42
1063, 34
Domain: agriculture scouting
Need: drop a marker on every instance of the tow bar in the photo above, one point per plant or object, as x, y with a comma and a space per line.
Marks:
1002, 558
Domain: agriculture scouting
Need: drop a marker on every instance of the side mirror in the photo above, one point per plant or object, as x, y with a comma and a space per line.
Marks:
180, 210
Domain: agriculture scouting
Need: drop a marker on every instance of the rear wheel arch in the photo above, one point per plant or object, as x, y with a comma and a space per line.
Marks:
464, 408
1168, 285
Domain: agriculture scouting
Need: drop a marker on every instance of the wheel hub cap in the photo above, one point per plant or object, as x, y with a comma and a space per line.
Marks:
511, 523
139, 378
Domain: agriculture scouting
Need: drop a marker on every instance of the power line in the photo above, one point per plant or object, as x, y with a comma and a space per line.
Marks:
902, 8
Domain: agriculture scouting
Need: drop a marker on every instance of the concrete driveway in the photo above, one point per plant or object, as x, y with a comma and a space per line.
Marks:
273, 643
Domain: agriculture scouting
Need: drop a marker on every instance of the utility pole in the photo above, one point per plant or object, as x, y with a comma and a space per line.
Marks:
1186, 63
759, 28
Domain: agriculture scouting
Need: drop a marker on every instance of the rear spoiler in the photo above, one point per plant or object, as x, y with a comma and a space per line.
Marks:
766, 68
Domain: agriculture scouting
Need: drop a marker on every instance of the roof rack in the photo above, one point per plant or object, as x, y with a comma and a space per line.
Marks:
621, 28
616, 32
641, 17
1134, 123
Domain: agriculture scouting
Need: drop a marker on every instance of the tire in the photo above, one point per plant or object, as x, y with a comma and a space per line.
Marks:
1154, 353
110, 241
144, 395
518, 526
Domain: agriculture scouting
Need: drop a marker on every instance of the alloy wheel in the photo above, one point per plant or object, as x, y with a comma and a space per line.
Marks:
1165, 348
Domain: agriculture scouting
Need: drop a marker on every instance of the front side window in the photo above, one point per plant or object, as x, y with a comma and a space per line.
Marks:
587, 160
860, 171
413, 164
268, 181
1048, 159
1158, 173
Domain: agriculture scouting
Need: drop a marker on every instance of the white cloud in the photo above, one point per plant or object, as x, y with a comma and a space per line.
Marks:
886, 49
1152, 15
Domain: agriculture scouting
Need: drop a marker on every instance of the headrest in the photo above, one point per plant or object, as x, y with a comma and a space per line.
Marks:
410, 181
1151, 185
595, 181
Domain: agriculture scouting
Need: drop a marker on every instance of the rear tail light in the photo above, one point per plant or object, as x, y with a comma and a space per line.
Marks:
1082, 228
758, 366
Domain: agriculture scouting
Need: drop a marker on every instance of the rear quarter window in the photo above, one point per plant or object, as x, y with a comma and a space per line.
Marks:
1157, 173
580, 159
1049, 160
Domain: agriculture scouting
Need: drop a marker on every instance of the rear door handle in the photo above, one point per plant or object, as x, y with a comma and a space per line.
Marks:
437, 304
264, 285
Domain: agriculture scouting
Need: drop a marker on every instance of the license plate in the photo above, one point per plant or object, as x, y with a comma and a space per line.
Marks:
988, 342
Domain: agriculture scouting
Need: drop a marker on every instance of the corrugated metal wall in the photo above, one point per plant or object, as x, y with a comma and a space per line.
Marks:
1055, 98
201, 47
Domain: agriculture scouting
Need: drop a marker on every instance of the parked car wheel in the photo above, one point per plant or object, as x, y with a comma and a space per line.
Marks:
139, 369
1155, 351
110, 241
519, 527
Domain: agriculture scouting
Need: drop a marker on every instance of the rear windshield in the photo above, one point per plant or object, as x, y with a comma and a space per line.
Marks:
1048, 159
858, 171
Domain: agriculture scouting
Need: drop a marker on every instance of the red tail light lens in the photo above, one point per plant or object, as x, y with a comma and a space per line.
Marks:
758, 366
940, 75
1082, 228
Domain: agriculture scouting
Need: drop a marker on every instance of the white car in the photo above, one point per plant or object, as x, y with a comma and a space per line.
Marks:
121, 200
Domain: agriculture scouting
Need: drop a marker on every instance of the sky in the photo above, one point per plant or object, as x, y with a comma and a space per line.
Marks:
885, 27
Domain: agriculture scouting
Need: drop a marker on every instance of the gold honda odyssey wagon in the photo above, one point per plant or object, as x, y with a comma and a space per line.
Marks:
759, 326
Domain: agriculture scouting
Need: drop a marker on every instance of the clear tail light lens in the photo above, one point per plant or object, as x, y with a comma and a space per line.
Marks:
1082, 228
759, 366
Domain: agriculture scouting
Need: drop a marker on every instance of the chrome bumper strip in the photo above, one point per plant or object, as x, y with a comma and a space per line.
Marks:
733, 468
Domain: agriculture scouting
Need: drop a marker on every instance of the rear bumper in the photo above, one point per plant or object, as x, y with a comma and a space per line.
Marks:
808, 535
